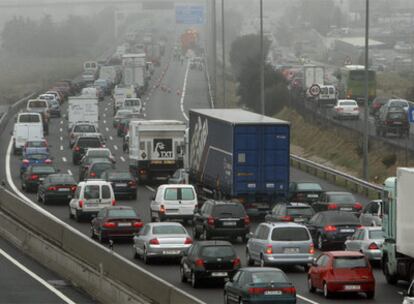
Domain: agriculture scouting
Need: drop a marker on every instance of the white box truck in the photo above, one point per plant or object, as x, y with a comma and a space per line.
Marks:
156, 148
82, 109
134, 71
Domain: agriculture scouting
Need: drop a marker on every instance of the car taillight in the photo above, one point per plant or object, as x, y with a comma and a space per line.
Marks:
48, 161
77, 148
329, 228
210, 221
289, 290
373, 246
162, 209
286, 218
199, 262
25, 161
311, 249
236, 262
358, 206
246, 220
356, 109
138, 224
73, 188
34, 177
332, 206
142, 172
113, 203
359, 227
339, 109
256, 290
52, 188
188, 241
93, 174
269, 249
109, 224
154, 242
80, 203
132, 184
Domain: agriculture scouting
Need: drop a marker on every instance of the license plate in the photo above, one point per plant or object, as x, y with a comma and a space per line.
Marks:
347, 230
397, 123
91, 204
124, 224
219, 274
291, 250
63, 189
120, 185
352, 287
298, 220
345, 209
42, 179
171, 252
272, 292
229, 223
313, 195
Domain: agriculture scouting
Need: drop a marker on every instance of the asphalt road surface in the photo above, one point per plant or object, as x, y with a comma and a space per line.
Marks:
169, 104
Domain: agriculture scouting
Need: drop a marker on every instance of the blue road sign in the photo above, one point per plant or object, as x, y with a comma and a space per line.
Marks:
189, 14
411, 114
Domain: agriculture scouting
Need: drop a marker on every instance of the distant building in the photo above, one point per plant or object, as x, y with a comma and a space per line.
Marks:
351, 49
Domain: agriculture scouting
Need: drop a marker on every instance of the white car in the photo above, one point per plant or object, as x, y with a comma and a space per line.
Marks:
409, 295
398, 103
133, 104
90, 197
346, 108
173, 201
100, 153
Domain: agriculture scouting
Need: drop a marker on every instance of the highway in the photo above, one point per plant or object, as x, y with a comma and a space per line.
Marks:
165, 105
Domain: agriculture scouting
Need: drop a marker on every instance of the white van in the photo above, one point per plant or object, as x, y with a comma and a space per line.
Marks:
133, 104
28, 126
327, 96
90, 197
173, 201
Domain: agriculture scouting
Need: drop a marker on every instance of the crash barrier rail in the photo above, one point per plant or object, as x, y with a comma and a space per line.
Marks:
137, 284
354, 184
210, 92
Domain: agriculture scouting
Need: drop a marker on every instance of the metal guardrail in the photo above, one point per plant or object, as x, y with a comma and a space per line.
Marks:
210, 92
352, 183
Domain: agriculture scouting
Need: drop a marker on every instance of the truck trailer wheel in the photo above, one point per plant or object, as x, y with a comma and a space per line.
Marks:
391, 279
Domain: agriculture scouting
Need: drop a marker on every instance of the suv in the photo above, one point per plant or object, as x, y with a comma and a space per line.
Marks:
336, 200
90, 197
84, 142
173, 202
392, 120
79, 129
308, 192
280, 243
290, 212
218, 218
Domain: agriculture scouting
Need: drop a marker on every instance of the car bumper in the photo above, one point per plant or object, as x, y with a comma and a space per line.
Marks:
347, 115
167, 251
120, 233
164, 216
288, 259
215, 274
374, 255
124, 191
58, 196
270, 299
228, 231
342, 286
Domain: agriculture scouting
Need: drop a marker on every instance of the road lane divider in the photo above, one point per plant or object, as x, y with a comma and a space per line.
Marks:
69, 172
150, 188
64, 159
122, 159
115, 147
182, 93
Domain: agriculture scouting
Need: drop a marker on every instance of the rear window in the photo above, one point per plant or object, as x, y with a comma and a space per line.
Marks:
43, 169
229, 210
290, 234
342, 198
187, 194
339, 218
399, 103
29, 118
217, 251
269, 276
36, 144
89, 142
37, 104
348, 103
376, 235
84, 129
62, 180
122, 213
172, 194
132, 102
99, 168
99, 153
396, 115
350, 262
300, 211
92, 192
168, 229
308, 187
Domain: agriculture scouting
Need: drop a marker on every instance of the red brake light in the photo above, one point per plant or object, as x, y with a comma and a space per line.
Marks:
162, 209
73, 188
246, 220
358, 206
138, 224
113, 202
93, 174
25, 161
154, 242
286, 218
142, 172
210, 221
48, 161
188, 241
329, 228
332, 206
359, 227
109, 224
132, 184
77, 148
236, 262
311, 249
373, 246
199, 262
52, 188
289, 290
34, 177
256, 290
80, 203
269, 249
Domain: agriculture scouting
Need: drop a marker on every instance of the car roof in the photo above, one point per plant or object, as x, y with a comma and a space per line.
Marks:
61, 175
216, 202
214, 243
261, 269
371, 228
94, 182
119, 208
342, 253
164, 186
337, 192
166, 224
100, 161
282, 224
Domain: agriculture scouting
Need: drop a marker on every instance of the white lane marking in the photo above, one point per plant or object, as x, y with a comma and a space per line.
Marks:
104, 121
111, 138
106, 109
107, 129
145, 114
61, 138
64, 159
122, 158
115, 147
61, 122
69, 172
37, 278
104, 114
61, 148
183, 91
306, 299
61, 130
150, 188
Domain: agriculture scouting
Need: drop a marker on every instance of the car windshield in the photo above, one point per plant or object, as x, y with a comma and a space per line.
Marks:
399, 103
168, 229
290, 234
29, 118
122, 213
89, 142
268, 276
43, 169
376, 234
350, 262
307, 211
342, 198
132, 102
308, 187
84, 129
39, 156
232, 210
217, 251
120, 175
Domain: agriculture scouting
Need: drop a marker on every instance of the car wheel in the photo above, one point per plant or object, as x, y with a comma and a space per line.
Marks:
93, 235
206, 235
391, 279
196, 235
194, 280
38, 198
240, 301
250, 261
146, 258
102, 238
70, 213
311, 288
182, 275
326, 292
226, 298
77, 216
320, 243
370, 294
244, 238
306, 268
135, 254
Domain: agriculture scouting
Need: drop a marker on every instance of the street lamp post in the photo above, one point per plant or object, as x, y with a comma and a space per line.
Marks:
262, 97
365, 144
223, 56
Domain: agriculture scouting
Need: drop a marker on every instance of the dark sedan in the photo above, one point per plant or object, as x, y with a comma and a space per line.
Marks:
56, 187
332, 228
304, 192
115, 222
123, 183
335, 200
35, 174
259, 285
290, 212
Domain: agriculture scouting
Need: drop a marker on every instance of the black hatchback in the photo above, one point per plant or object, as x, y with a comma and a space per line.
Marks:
82, 143
56, 187
35, 174
290, 212
308, 192
221, 219
212, 260
122, 181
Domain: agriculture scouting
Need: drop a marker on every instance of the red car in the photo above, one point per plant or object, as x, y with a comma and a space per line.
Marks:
342, 272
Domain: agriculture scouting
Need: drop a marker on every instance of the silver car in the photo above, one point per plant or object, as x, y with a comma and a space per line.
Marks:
372, 213
79, 129
161, 240
367, 240
280, 244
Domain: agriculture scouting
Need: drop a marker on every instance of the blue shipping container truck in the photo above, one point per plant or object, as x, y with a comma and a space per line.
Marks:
234, 153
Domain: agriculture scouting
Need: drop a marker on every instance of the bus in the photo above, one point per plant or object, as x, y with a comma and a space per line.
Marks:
352, 83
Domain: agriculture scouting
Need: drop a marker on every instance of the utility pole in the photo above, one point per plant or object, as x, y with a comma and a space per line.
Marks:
214, 46
365, 147
223, 55
262, 97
